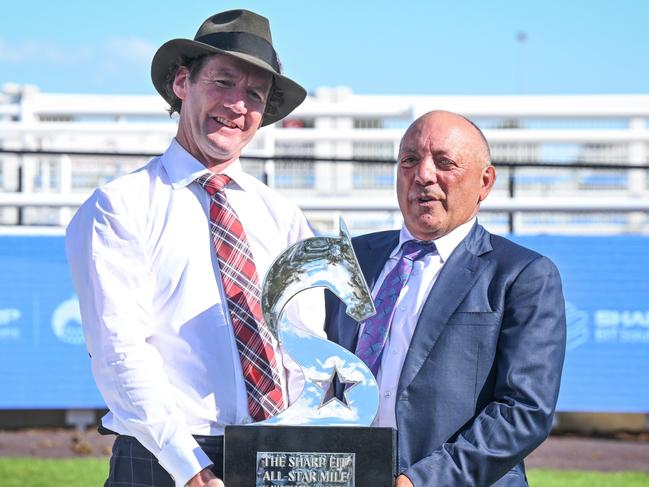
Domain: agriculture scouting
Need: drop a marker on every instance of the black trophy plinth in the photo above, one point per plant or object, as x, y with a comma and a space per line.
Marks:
314, 456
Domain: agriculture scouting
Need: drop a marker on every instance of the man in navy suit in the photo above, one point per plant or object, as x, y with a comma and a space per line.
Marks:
469, 343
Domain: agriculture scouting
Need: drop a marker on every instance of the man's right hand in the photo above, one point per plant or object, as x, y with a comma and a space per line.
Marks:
205, 478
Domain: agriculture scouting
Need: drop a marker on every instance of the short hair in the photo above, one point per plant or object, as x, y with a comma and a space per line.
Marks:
194, 66
482, 136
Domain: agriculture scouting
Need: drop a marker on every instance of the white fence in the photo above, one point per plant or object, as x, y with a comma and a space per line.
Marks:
606, 195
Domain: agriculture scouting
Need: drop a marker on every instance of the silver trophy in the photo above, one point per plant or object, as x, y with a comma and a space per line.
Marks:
327, 262
323, 438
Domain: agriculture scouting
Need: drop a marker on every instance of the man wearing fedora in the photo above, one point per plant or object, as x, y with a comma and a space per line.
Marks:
167, 264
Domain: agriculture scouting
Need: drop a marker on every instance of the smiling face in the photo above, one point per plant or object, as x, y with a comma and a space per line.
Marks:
221, 109
443, 174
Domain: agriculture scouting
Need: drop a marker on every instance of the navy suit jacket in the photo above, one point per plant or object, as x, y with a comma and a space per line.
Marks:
480, 380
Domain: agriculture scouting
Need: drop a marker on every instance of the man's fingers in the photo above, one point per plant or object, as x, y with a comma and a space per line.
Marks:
403, 481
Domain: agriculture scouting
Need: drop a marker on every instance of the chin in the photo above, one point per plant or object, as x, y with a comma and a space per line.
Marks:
220, 150
428, 231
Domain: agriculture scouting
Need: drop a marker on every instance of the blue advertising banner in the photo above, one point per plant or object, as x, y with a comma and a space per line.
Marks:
606, 286
43, 359
45, 365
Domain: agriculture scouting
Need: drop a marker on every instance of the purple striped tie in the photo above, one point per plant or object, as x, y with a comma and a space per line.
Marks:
377, 328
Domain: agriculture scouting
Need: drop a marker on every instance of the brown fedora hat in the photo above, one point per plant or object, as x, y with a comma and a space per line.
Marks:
238, 33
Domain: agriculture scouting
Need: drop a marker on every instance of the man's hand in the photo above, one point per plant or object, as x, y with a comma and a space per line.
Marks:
403, 481
205, 478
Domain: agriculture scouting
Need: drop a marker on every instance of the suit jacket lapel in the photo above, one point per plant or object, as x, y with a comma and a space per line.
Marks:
372, 254
454, 282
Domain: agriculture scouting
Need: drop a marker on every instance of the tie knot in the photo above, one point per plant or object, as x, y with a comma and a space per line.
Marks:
213, 183
416, 249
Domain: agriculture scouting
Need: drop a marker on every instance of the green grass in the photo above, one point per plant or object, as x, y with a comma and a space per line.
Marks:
566, 478
50, 472
91, 472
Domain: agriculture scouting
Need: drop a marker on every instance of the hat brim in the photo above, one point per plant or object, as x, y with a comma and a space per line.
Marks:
170, 51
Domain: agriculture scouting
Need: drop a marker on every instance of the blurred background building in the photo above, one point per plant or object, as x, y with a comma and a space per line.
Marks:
566, 164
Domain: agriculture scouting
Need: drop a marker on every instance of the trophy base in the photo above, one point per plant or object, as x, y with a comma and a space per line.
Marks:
310, 456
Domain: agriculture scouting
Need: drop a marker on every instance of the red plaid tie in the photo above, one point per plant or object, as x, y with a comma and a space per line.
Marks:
241, 285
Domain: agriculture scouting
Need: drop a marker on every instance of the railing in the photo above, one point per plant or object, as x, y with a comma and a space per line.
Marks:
556, 156
553, 190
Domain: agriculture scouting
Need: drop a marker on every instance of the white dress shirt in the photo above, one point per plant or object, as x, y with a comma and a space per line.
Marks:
154, 313
406, 314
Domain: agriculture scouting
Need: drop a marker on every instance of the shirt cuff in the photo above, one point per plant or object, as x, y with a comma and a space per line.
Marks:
183, 458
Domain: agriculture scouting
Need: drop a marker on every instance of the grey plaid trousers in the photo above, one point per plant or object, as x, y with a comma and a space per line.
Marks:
132, 465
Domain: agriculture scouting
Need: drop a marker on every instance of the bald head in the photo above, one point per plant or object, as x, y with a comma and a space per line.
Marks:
480, 145
444, 173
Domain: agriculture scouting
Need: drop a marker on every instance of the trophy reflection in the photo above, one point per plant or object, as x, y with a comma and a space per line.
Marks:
322, 439
327, 262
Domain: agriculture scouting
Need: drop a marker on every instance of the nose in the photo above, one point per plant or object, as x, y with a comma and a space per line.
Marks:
426, 172
235, 101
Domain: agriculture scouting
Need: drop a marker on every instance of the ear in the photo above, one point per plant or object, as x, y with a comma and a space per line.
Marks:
488, 178
181, 80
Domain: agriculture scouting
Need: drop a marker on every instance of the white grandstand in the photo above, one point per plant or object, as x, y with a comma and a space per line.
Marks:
566, 164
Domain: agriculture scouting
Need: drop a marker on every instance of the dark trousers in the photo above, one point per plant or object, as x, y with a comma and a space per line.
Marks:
132, 465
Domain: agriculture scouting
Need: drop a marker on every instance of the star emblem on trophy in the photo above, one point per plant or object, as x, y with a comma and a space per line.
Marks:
323, 438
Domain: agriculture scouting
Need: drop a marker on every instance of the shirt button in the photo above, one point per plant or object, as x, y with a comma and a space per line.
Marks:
388, 394
246, 420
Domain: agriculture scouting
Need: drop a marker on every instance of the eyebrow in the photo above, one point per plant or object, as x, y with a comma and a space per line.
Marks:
221, 72
410, 150
258, 82
442, 152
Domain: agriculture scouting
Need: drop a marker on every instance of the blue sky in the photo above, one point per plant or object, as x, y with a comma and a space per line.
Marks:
374, 47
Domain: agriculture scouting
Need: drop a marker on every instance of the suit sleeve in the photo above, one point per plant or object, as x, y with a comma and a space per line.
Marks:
528, 364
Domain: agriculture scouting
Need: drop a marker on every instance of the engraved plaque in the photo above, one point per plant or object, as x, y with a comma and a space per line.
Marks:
322, 469
364, 456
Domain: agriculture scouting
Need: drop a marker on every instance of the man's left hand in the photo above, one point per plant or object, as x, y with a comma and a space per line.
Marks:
403, 481
205, 478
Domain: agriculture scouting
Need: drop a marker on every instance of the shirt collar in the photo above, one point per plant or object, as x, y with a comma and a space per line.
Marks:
183, 168
445, 245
